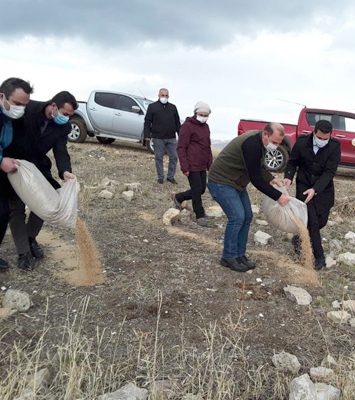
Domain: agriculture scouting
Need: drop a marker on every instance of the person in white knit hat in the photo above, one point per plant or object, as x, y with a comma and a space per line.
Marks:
195, 156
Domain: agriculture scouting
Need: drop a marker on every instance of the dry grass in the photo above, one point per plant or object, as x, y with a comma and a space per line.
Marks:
219, 369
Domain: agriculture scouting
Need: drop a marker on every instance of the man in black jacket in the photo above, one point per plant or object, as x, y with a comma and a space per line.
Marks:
315, 158
161, 123
46, 125
14, 96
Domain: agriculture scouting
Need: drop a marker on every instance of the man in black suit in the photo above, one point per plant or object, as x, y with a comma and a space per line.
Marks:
14, 96
315, 158
46, 127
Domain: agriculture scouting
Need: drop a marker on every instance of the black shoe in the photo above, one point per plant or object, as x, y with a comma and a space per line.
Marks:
246, 262
296, 241
4, 265
36, 249
172, 180
177, 204
160, 180
233, 264
25, 262
319, 263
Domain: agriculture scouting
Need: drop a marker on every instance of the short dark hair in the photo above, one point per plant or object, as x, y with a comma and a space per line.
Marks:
324, 126
64, 97
11, 84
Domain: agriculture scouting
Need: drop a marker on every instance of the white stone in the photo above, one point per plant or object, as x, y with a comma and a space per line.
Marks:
352, 322
27, 394
108, 182
298, 295
330, 262
187, 205
321, 373
286, 362
327, 392
39, 379
261, 222
349, 305
350, 236
106, 194
136, 187
255, 209
16, 300
170, 216
302, 388
331, 360
261, 238
338, 219
102, 159
347, 258
128, 195
214, 211
339, 317
335, 244
331, 223
336, 304
127, 392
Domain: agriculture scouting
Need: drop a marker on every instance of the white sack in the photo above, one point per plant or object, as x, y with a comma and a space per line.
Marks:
57, 207
283, 218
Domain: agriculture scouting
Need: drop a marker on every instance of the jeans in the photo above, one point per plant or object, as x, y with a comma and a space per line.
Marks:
237, 207
197, 180
170, 147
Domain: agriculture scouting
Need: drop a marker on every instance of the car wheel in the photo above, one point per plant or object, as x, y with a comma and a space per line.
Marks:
276, 160
78, 132
150, 145
105, 140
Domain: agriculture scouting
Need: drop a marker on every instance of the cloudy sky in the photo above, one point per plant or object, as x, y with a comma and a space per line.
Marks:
247, 59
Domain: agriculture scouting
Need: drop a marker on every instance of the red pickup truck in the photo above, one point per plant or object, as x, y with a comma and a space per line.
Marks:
343, 129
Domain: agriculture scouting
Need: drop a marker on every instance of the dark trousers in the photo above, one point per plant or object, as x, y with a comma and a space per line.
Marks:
4, 216
197, 180
5, 190
21, 230
316, 221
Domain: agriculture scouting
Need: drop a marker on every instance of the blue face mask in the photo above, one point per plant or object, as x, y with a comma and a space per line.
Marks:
60, 119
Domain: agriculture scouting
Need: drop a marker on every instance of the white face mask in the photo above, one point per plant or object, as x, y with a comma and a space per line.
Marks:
271, 147
201, 119
15, 112
163, 100
319, 142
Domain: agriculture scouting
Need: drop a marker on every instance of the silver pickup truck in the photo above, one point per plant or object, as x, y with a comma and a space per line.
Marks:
109, 116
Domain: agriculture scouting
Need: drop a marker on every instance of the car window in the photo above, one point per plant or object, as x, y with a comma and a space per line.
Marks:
346, 123
312, 118
126, 103
144, 102
106, 99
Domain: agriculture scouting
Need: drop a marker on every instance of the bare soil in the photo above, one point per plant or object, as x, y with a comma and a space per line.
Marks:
141, 258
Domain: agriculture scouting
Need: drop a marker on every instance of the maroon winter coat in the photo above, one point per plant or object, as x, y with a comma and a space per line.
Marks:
194, 146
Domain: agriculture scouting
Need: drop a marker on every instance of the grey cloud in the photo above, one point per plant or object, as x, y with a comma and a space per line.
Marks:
116, 23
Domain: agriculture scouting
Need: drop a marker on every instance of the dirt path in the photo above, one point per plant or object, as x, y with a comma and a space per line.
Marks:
68, 267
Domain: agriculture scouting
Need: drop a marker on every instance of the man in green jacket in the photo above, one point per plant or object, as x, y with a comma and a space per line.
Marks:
238, 164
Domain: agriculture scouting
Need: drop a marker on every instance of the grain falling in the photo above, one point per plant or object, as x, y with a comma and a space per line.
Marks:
307, 259
89, 271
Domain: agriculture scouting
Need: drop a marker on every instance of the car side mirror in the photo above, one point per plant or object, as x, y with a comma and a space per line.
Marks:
136, 109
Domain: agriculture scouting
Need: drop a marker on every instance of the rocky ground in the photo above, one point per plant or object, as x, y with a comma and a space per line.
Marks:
172, 271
